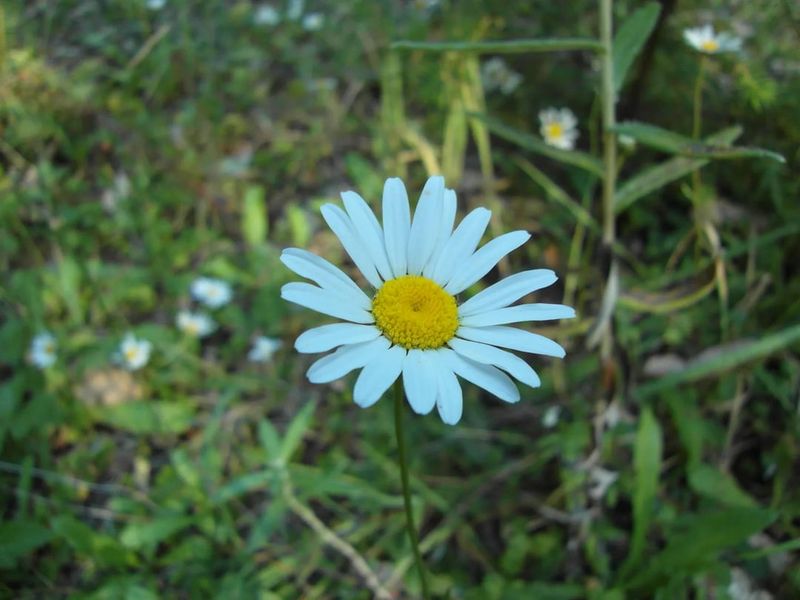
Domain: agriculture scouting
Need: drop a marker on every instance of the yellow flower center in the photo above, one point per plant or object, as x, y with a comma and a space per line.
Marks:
709, 45
415, 312
131, 354
555, 130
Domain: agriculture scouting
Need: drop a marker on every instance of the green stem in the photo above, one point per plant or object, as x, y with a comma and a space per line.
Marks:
697, 118
401, 458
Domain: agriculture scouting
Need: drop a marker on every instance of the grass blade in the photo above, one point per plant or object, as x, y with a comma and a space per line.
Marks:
503, 46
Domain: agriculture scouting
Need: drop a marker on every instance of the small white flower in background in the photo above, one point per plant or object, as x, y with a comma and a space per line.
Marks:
496, 75
741, 587
263, 349
551, 416
133, 353
266, 15
211, 292
559, 127
313, 21
295, 9
42, 353
119, 190
156, 4
704, 39
195, 324
600, 480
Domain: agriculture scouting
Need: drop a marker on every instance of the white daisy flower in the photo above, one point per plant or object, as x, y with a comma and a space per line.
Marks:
133, 353
263, 349
313, 21
266, 15
704, 39
42, 353
211, 292
551, 416
195, 324
496, 75
411, 323
559, 127
156, 4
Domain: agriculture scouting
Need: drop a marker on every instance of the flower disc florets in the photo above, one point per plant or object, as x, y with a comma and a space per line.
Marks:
415, 312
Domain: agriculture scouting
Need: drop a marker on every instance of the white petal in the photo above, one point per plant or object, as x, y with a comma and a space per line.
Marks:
507, 291
449, 397
511, 337
365, 223
326, 302
487, 377
341, 225
327, 337
345, 359
396, 224
419, 380
425, 226
376, 377
323, 273
460, 246
445, 229
480, 263
510, 363
517, 314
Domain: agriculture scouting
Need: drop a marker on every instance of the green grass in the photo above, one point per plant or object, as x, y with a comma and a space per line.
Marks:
205, 475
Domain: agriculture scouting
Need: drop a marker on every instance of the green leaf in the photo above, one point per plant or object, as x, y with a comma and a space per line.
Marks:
20, 538
630, 39
100, 547
138, 536
148, 416
535, 144
270, 440
736, 354
721, 487
504, 46
242, 485
296, 430
647, 468
658, 176
254, 216
653, 136
675, 143
697, 542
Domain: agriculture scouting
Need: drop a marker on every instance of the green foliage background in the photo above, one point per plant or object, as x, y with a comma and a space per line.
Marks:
204, 475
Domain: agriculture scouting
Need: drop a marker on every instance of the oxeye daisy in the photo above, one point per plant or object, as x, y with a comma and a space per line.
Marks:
559, 127
705, 40
412, 323
133, 353
42, 352
263, 349
211, 292
195, 324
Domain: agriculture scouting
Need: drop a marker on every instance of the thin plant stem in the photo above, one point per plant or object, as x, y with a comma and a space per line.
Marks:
401, 458
697, 117
608, 102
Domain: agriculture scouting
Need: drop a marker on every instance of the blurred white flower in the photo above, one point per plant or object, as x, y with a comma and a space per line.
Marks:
263, 349
195, 324
42, 353
295, 9
706, 40
496, 75
211, 292
313, 21
741, 587
600, 480
551, 416
266, 15
156, 4
133, 353
559, 127
119, 190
